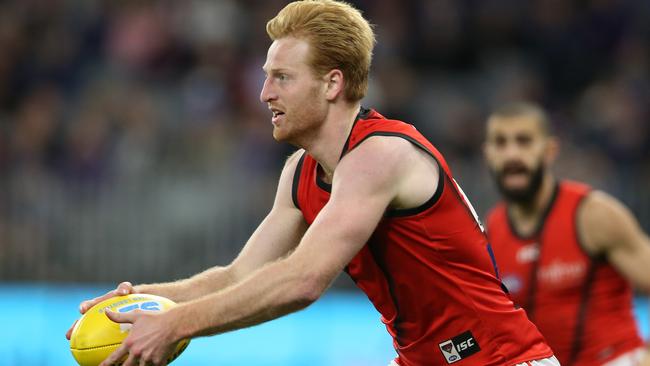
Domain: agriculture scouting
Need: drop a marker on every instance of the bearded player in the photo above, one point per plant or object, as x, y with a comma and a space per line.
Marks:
569, 254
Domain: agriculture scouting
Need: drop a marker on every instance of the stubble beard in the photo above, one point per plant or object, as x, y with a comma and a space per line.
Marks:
524, 195
303, 124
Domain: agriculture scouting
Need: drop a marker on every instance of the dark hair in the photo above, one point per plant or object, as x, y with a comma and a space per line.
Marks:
521, 109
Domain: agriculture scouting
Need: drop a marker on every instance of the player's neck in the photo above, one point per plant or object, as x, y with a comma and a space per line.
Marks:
327, 146
526, 215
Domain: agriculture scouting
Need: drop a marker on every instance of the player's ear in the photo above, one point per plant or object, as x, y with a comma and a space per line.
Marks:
552, 149
335, 84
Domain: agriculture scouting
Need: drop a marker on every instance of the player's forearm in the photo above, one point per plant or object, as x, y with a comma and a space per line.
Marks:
275, 290
281, 287
204, 283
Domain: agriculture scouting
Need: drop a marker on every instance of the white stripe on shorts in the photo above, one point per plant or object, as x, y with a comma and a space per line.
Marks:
551, 361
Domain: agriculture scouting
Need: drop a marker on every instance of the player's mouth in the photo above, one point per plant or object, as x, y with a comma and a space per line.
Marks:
277, 115
515, 175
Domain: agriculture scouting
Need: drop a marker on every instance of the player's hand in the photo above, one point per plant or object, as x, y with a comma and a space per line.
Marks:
645, 361
123, 288
150, 341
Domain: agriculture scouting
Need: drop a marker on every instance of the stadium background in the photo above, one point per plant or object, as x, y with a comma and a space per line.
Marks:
133, 145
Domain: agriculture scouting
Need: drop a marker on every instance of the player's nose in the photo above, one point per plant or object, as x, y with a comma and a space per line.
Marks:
511, 151
267, 94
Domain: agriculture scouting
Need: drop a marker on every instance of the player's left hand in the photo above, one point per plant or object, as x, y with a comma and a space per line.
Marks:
150, 341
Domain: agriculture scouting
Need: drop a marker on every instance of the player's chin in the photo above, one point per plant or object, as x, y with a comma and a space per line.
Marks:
280, 135
519, 195
277, 137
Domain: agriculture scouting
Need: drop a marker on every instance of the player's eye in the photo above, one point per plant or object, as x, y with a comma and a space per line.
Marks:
524, 140
499, 141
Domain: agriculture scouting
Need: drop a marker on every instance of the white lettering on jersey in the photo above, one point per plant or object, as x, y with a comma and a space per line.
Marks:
528, 253
560, 272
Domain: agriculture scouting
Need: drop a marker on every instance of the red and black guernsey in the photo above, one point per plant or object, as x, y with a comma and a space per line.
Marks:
582, 306
429, 270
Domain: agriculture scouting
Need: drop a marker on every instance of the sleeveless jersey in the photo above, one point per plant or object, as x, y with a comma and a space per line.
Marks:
429, 270
582, 306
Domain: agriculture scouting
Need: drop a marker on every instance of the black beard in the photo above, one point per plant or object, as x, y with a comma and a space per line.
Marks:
525, 195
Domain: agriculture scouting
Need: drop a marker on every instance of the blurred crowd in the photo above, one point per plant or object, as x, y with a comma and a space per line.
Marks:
133, 144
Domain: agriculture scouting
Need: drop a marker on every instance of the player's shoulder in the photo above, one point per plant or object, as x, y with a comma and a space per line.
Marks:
385, 151
603, 219
291, 165
598, 205
385, 144
294, 157
387, 162
293, 160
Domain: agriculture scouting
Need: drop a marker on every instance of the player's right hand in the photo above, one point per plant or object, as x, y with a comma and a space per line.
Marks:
122, 289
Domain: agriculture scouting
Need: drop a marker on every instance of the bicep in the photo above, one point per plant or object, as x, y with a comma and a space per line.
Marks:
610, 228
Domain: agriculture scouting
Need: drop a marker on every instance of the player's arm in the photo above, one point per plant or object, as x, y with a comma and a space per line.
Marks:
608, 227
278, 233
366, 181
364, 184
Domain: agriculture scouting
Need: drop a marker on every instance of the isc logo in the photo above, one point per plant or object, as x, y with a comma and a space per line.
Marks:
465, 344
459, 347
148, 306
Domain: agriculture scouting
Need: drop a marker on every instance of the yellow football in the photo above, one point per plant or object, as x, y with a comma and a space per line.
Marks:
95, 336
